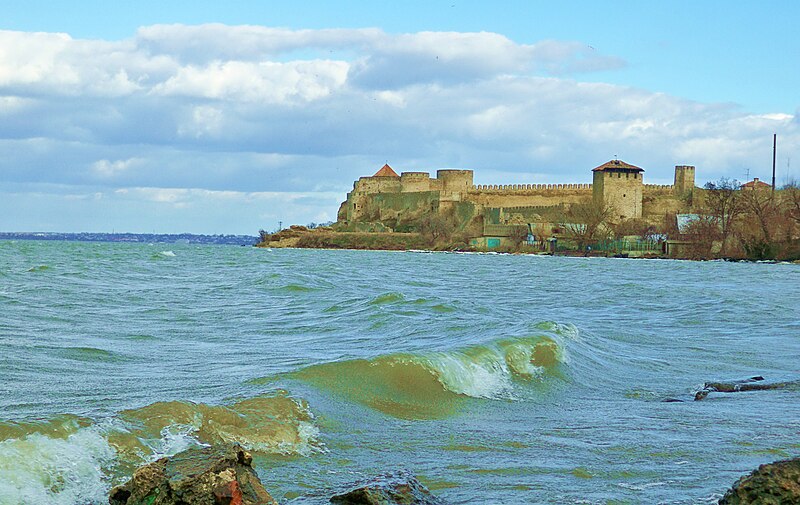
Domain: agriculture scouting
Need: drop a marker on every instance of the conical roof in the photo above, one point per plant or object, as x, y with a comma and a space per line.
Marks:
386, 171
617, 165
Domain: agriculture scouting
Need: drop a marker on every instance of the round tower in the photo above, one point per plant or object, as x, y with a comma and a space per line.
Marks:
455, 181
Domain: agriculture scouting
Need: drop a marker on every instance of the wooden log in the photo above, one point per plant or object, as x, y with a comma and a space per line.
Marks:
752, 384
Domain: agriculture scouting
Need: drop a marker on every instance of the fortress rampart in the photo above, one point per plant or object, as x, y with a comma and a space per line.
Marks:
616, 185
516, 188
658, 188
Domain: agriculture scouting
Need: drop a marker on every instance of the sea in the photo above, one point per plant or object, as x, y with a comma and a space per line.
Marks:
495, 379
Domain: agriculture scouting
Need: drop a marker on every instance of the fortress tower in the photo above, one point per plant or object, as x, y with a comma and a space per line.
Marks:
684, 179
618, 185
455, 181
413, 182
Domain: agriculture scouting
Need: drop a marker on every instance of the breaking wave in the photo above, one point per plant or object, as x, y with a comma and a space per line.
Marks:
72, 460
434, 385
276, 424
58, 468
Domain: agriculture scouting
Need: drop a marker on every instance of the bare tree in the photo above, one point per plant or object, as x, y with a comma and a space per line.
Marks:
762, 206
724, 203
518, 236
584, 222
791, 200
701, 233
436, 227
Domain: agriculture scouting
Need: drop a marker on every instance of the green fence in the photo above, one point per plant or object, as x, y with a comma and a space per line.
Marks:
627, 245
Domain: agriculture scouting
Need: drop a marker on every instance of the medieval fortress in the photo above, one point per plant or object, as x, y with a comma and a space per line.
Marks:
394, 202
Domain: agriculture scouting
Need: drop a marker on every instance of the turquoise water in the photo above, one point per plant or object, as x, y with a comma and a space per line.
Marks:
496, 379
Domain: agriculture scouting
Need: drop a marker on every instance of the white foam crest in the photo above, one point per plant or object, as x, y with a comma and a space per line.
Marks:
487, 377
167, 253
568, 330
54, 471
174, 439
518, 358
307, 443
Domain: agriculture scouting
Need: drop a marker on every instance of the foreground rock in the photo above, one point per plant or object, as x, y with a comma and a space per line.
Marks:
203, 476
389, 489
772, 484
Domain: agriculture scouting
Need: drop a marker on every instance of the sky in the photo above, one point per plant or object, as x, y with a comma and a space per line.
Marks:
230, 117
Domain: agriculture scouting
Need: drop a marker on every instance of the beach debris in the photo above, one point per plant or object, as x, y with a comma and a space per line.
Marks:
756, 383
777, 483
221, 475
399, 487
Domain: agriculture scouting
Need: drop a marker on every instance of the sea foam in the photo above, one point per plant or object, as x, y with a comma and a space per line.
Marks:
39, 469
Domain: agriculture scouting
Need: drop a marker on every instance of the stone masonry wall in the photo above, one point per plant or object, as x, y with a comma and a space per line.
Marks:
529, 195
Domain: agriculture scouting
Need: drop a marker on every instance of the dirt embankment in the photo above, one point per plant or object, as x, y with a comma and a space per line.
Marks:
326, 238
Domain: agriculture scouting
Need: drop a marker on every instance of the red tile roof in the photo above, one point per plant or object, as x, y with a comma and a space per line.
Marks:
386, 171
616, 165
756, 184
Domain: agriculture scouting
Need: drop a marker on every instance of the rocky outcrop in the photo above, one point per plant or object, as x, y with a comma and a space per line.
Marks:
772, 484
389, 489
203, 476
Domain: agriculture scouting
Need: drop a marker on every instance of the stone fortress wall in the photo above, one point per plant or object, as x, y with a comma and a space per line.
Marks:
412, 194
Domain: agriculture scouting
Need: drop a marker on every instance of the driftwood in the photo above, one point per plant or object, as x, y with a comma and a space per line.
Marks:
752, 384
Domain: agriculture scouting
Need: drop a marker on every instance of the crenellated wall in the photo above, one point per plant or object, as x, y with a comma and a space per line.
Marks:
405, 199
658, 189
530, 195
527, 187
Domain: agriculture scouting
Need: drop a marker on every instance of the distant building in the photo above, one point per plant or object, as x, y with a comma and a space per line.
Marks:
398, 202
756, 184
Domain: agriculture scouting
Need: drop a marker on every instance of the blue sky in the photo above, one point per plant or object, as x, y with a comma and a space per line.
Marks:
229, 117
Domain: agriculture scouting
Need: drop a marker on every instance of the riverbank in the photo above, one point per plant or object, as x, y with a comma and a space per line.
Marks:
301, 237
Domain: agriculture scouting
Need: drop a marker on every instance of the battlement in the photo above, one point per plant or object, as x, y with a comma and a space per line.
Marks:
414, 175
658, 188
532, 208
524, 188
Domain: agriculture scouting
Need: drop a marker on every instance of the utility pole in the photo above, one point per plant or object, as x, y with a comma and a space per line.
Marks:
774, 152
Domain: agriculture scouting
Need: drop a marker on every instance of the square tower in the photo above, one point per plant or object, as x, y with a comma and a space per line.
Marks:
684, 179
618, 186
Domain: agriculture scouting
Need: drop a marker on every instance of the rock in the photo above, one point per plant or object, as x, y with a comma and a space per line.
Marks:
389, 489
202, 476
772, 484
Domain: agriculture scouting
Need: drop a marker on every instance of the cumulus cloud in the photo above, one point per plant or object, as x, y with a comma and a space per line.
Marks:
256, 110
267, 82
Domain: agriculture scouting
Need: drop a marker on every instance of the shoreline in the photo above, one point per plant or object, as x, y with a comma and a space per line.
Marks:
299, 237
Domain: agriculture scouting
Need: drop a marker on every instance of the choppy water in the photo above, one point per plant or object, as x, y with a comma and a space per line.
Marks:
496, 379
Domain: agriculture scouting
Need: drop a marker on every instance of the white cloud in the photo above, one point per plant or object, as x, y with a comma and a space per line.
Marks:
107, 168
262, 112
268, 82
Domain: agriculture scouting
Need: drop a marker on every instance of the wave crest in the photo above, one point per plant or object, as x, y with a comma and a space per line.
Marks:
273, 424
434, 385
